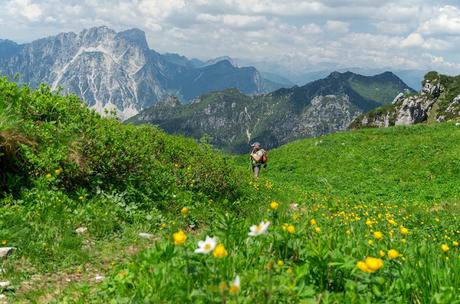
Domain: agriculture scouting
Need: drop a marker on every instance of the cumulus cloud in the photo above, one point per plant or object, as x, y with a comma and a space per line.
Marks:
294, 35
447, 21
337, 26
25, 8
413, 40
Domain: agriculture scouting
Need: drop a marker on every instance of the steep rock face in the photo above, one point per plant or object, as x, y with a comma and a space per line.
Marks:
8, 48
111, 70
439, 100
231, 120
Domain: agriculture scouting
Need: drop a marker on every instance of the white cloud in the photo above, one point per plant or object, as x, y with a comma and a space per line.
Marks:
447, 21
24, 8
311, 29
386, 27
160, 8
295, 34
413, 40
234, 21
337, 26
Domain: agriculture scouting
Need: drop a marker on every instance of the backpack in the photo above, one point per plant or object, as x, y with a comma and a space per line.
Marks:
264, 158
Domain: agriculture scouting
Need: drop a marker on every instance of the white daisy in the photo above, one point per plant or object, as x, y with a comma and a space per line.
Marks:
259, 229
206, 246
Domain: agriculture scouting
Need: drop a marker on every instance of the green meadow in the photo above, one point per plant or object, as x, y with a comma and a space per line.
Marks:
366, 216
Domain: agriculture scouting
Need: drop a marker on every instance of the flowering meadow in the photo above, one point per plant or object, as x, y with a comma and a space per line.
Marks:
315, 252
102, 212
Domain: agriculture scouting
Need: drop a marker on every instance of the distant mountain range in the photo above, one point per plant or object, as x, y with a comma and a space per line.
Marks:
230, 119
300, 76
111, 70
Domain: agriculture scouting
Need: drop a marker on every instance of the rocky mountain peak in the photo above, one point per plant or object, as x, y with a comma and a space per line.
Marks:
136, 37
335, 75
111, 70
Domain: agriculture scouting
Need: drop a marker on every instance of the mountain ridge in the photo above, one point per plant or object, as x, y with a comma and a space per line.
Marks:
230, 119
118, 70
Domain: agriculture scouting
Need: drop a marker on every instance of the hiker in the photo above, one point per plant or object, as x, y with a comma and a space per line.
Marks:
258, 158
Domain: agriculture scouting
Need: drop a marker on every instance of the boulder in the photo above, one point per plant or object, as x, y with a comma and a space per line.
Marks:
6, 251
145, 235
81, 230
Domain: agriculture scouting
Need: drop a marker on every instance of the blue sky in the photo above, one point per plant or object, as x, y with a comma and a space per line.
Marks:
293, 35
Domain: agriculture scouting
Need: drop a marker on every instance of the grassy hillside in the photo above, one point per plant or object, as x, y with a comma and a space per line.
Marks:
397, 165
63, 167
380, 88
366, 216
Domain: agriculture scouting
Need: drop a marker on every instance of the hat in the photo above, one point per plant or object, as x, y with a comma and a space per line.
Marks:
256, 144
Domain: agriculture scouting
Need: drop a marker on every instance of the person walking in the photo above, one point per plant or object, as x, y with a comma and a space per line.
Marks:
258, 157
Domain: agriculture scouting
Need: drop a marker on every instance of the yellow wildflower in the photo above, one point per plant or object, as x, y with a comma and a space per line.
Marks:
455, 243
381, 253
220, 251
179, 237
48, 175
404, 230
445, 247
393, 254
274, 205
378, 235
280, 263
58, 171
290, 229
370, 242
317, 229
184, 211
373, 264
362, 266
392, 222
313, 222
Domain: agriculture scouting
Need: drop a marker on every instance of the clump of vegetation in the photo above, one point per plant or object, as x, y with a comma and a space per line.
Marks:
64, 167
450, 90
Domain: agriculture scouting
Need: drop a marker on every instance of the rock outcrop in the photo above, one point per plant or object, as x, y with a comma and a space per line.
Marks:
439, 100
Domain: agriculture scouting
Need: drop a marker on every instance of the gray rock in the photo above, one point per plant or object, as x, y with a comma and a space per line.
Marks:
6, 251
398, 98
4, 284
99, 278
146, 235
81, 230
